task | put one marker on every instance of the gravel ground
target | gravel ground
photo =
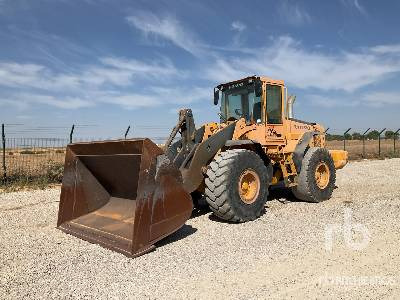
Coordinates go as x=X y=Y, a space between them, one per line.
x=284 y=254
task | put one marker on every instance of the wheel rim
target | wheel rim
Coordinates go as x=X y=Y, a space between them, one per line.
x=249 y=186
x=322 y=175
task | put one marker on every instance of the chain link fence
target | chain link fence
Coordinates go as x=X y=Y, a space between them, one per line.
x=29 y=158
x=42 y=159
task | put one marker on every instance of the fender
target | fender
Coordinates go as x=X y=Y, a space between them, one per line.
x=301 y=147
x=254 y=146
x=248 y=144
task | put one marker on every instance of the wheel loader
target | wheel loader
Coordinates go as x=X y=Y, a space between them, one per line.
x=128 y=194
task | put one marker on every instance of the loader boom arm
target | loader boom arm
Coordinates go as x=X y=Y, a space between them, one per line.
x=190 y=153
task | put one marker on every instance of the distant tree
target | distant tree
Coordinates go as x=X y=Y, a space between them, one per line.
x=334 y=137
x=348 y=136
x=328 y=137
x=357 y=136
x=373 y=135
x=390 y=134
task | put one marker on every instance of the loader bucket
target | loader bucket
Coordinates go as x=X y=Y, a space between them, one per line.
x=123 y=195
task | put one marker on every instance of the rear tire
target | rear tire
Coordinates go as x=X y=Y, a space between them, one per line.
x=317 y=177
x=237 y=185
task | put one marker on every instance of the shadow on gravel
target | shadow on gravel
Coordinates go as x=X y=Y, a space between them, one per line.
x=282 y=194
x=181 y=233
x=214 y=218
x=186 y=230
x=200 y=211
x=278 y=193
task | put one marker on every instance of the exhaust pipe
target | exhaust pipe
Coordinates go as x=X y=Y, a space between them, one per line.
x=289 y=104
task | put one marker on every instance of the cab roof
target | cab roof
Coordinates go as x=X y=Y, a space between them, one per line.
x=254 y=77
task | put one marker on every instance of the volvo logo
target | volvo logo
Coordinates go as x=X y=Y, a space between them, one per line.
x=236 y=85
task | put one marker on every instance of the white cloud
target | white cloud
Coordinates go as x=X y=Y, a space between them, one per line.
x=167 y=28
x=113 y=81
x=182 y=95
x=123 y=72
x=111 y=70
x=387 y=49
x=284 y=58
x=378 y=99
x=223 y=70
x=155 y=96
x=329 y=102
x=131 y=100
x=287 y=59
x=238 y=26
x=372 y=99
x=12 y=101
x=154 y=69
x=59 y=102
x=14 y=74
x=291 y=13
x=356 y=5
x=44 y=47
x=129 y=83
x=359 y=7
x=24 y=117
x=110 y=81
x=17 y=75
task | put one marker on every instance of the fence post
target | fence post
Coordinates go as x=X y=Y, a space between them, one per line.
x=3 y=139
x=344 y=138
x=363 y=139
x=394 y=141
x=379 y=142
x=127 y=130
x=71 y=133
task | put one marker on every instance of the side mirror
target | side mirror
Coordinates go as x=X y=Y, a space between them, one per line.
x=216 y=96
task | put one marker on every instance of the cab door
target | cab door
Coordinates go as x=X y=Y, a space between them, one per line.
x=275 y=133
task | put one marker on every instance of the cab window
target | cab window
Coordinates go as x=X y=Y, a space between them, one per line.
x=274 y=104
x=242 y=102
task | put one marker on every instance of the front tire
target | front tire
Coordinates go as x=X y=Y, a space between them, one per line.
x=237 y=185
x=317 y=177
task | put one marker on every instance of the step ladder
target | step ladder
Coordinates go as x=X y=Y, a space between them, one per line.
x=289 y=171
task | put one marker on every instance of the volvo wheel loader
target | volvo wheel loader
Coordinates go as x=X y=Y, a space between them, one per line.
x=128 y=194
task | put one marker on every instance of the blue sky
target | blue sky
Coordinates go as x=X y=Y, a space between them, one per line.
x=114 y=63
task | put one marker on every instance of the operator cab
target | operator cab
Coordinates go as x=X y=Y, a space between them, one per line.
x=246 y=99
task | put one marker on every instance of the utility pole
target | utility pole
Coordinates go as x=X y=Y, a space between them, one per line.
x=344 y=138
x=71 y=133
x=394 y=141
x=379 y=141
x=3 y=139
x=127 y=131
x=365 y=132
